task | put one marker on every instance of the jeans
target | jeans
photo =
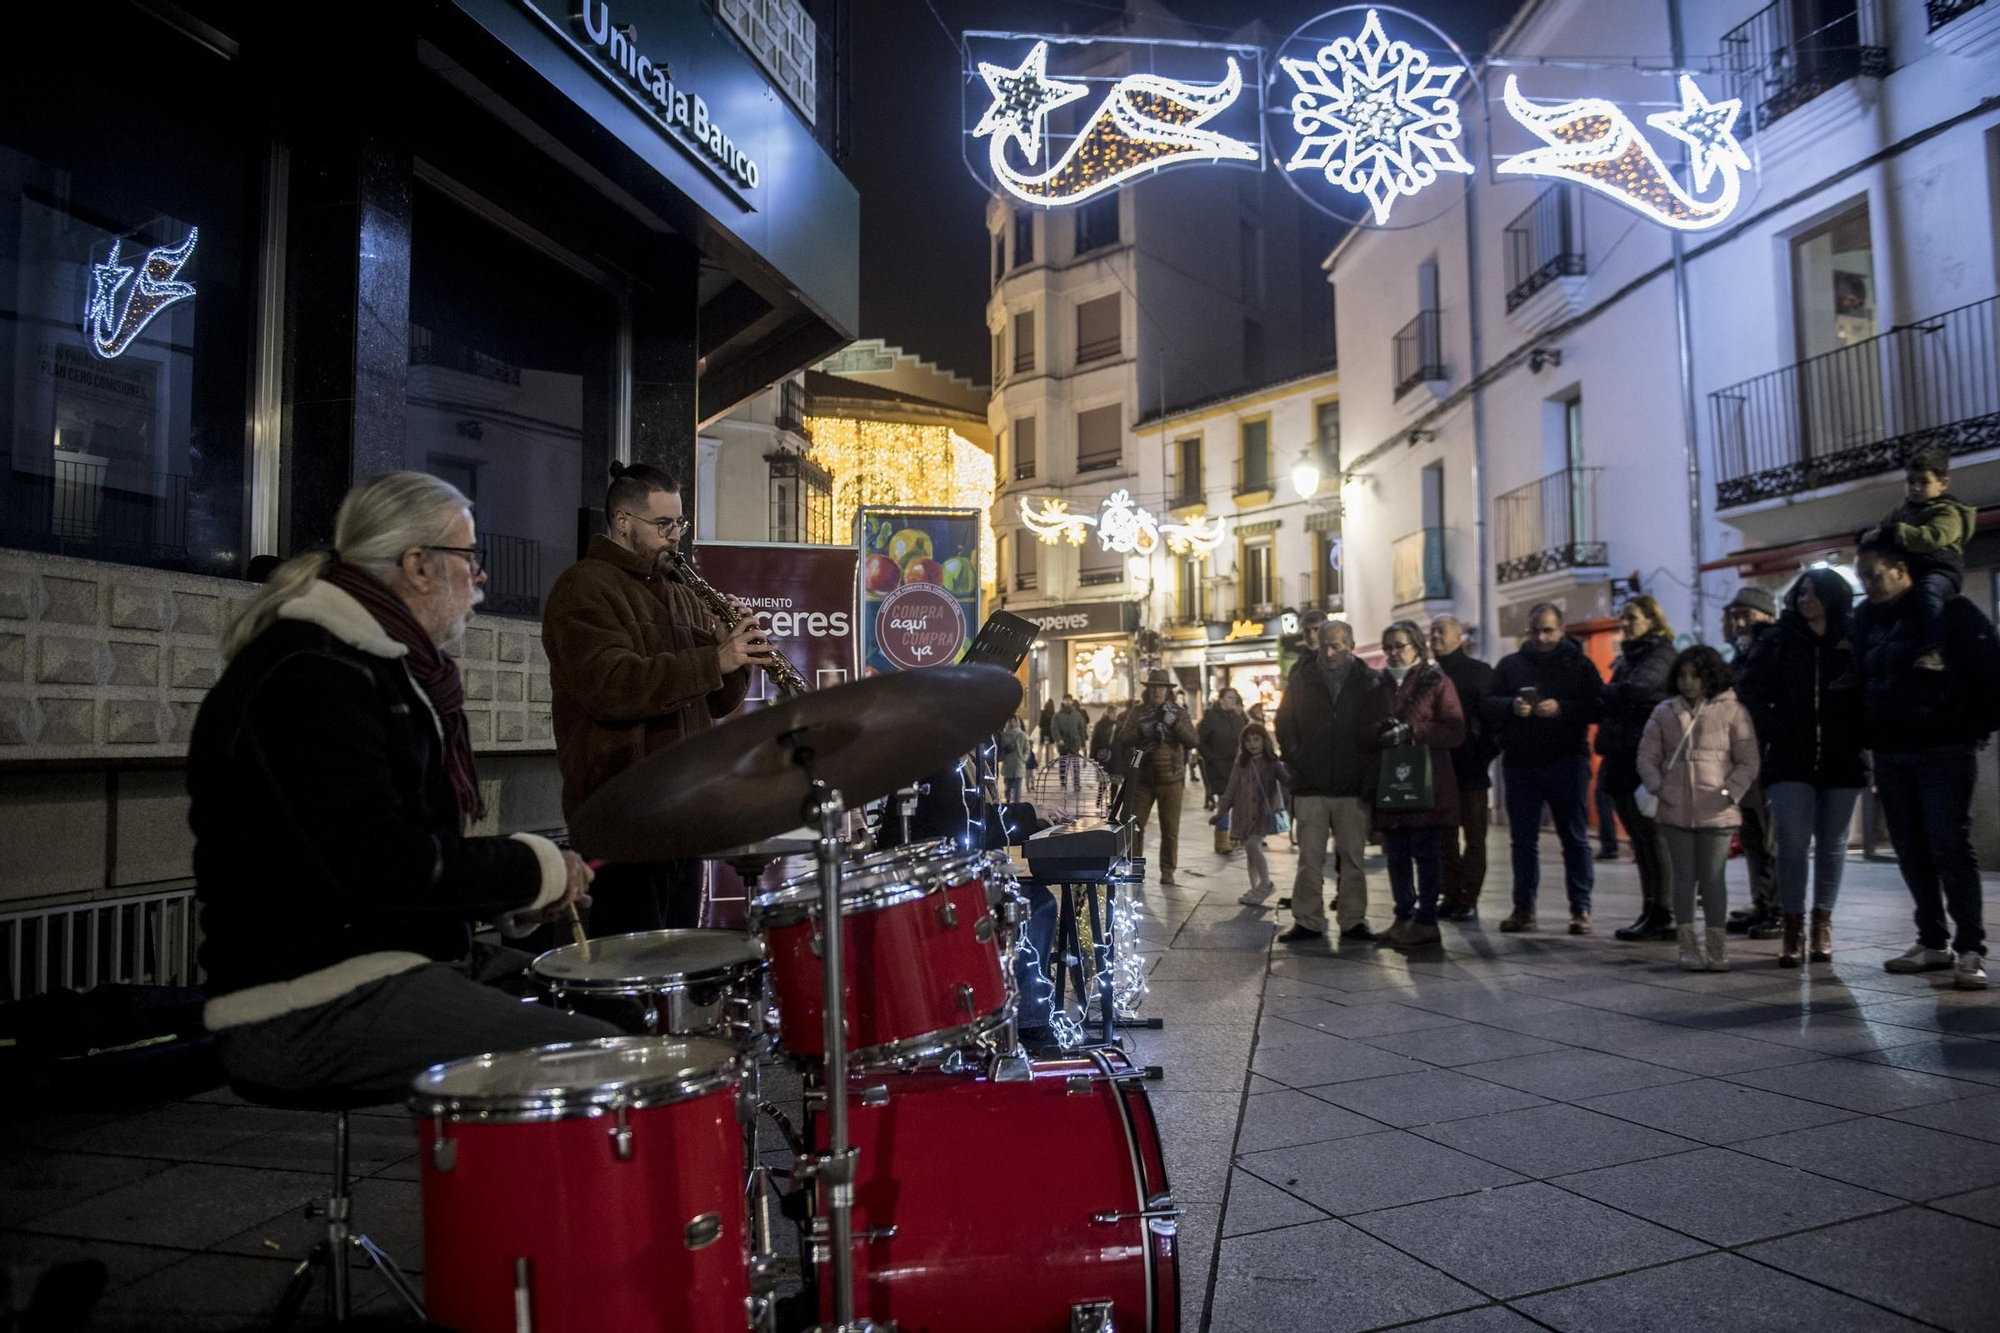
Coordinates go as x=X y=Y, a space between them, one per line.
x=1609 y=812
x=1926 y=796
x=1014 y=791
x=1564 y=786
x=1699 y=855
x=1415 y=849
x=1345 y=819
x=1465 y=870
x=1811 y=820
x=1646 y=847
x=1760 y=847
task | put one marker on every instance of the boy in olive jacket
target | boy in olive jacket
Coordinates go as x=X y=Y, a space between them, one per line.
x=1932 y=529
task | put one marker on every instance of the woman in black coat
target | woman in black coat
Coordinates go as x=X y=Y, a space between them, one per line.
x=1814 y=770
x=1641 y=679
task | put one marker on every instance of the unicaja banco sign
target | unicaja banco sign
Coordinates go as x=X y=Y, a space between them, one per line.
x=616 y=50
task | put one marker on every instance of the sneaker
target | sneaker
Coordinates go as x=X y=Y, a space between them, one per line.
x=1579 y=923
x=1167 y=878
x=1519 y=921
x=1358 y=931
x=1919 y=959
x=1420 y=937
x=1459 y=914
x=1300 y=935
x=1284 y=903
x=1970 y=974
x=1255 y=897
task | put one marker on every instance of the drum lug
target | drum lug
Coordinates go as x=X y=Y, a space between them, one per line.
x=1010 y=1067
x=947 y=913
x=1160 y=1209
x=876 y=1094
x=444 y=1151
x=704 y=1231
x=1090 y=1317
x=621 y=1136
x=983 y=930
x=818 y=949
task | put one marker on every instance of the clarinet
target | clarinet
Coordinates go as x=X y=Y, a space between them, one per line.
x=782 y=673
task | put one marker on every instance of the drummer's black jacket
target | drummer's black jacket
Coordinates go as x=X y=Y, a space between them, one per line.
x=327 y=838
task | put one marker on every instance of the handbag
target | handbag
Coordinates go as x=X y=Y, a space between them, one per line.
x=1277 y=819
x=1648 y=802
x=1404 y=780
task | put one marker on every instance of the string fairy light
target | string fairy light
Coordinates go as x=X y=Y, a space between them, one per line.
x=902 y=465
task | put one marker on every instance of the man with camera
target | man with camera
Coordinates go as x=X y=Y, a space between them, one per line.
x=1540 y=706
x=1160 y=729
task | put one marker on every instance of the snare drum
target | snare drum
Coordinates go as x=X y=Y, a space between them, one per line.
x=968 y=1186
x=688 y=983
x=923 y=972
x=592 y=1186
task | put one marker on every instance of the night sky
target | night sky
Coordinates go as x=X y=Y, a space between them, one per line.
x=923 y=242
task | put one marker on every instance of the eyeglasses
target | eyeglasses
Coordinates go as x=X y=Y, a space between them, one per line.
x=475 y=556
x=663 y=526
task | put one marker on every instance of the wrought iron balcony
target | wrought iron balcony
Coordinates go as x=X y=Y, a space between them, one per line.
x=1544 y=243
x=1417 y=571
x=91 y=508
x=1788 y=53
x=513 y=575
x=1941 y=12
x=1418 y=352
x=1549 y=525
x=1859 y=410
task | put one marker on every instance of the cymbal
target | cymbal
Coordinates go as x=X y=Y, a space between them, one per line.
x=737 y=782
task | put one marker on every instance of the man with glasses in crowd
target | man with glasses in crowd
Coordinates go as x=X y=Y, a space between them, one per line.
x=637 y=662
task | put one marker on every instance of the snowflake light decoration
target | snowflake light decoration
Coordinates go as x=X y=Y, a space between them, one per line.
x=1121 y=525
x=1375 y=116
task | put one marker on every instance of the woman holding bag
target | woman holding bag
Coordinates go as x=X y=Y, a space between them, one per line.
x=1254 y=805
x=1416 y=800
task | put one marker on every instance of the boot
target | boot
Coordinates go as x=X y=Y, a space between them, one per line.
x=1794 y=947
x=1718 y=949
x=1663 y=922
x=1821 y=949
x=1691 y=958
x=1644 y=927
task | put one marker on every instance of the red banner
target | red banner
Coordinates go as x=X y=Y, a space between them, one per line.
x=803 y=596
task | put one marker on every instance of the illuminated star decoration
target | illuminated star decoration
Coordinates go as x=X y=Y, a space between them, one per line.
x=110 y=328
x=1121 y=526
x=1144 y=123
x=1591 y=141
x=1022 y=100
x=1375 y=116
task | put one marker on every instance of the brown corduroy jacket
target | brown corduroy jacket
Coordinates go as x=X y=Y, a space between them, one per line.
x=634 y=664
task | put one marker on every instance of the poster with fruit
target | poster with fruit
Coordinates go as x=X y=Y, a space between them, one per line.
x=919 y=586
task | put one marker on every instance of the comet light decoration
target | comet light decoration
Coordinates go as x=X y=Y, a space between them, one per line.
x=1144 y=123
x=112 y=326
x=1121 y=526
x=1594 y=143
x=1375 y=117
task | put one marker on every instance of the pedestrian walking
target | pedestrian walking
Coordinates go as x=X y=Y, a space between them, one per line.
x=1641 y=680
x=1464 y=847
x=1015 y=749
x=1924 y=726
x=1697 y=755
x=1072 y=728
x=1541 y=704
x=1160 y=731
x=1221 y=731
x=1750 y=622
x=1047 y=729
x=1252 y=805
x=1327 y=725
x=1813 y=767
x=1424 y=716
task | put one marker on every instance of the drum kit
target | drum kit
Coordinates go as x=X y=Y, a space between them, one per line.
x=943 y=1180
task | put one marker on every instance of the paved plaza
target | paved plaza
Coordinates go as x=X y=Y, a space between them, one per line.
x=1514 y=1132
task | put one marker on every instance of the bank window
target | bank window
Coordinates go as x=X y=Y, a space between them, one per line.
x=1254 y=457
x=1098 y=335
x=514 y=381
x=1024 y=448
x=126 y=261
x=1100 y=436
x=1096 y=566
x=1024 y=239
x=801 y=499
x=1027 y=560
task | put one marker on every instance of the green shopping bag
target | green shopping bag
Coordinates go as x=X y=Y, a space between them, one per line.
x=1404 y=780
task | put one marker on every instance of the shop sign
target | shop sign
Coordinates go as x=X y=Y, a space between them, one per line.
x=616 y=48
x=919 y=625
x=803 y=598
x=1085 y=619
x=1244 y=629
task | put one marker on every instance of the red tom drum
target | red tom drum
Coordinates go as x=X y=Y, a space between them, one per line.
x=589 y=1186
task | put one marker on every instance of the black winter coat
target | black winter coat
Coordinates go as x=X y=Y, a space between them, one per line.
x=1329 y=744
x=1641 y=680
x=1814 y=733
x=325 y=826
x=1472 y=762
x=1220 y=731
x=1564 y=674
x=1908 y=709
x=1755 y=668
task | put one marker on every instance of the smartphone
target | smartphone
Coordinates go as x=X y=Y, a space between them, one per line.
x=1529 y=695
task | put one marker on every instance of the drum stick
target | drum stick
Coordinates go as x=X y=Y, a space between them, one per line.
x=576 y=931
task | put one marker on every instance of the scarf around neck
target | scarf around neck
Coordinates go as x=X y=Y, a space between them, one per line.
x=434 y=671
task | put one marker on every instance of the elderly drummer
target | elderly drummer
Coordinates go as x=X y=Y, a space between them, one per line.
x=332 y=781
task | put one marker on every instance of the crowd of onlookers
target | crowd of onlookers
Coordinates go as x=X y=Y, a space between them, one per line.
x=1768 y=749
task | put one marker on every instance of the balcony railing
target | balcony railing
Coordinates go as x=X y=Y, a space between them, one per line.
x=1860 y=410
x=513 y=575
x=1024 y=470
x=1548 y=525
x=1098 y=350
x=1419 y=355
x=1789 y=52
x=1255 y=483
x=1186 y=496
x=1942 y=12
x=1187 y=614
x=90 y=507
x=428 y=349
x=1099 y=462
x=1417 y=571
x=1024 y=362
x=1544 y=243
x=1027 y=582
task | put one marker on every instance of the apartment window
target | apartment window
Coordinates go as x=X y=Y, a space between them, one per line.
x=1250 y=261
x=1544 y=242
x=1024 y=342
x=1253 y=352
x=1024 y=239
x=999 y=359
x=1791 y=51
x=1254 y=457
x=1100 y=435
x=1191 y=602
x=1027 y=560
x=999 y=257
x=1098 y=334
x=1024 y=448
x=1259 y=581
x=1188 y=486
x=1326 y=434
x=1097 y=223
x=1328 y=577
x=801 y=499
x=1833 y=285
x=1433 y=495
x=1096 y=566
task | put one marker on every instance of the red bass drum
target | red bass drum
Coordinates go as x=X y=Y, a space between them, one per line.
x=1031 y=1206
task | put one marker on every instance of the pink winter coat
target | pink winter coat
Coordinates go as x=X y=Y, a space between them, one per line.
x=1712 y=773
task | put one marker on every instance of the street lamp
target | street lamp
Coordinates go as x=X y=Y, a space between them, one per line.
x=1305 y=474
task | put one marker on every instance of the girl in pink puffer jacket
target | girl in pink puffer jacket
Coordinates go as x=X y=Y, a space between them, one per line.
x=1698 y=755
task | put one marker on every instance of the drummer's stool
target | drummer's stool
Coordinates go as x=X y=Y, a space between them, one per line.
x=329 y=1256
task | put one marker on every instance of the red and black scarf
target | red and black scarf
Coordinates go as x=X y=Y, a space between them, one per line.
x=431 y=668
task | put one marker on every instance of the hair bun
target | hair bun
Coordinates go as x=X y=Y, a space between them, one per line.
x=617 y=470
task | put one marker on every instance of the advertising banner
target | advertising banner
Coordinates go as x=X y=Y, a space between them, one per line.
x=803 y=596
x=919 y=586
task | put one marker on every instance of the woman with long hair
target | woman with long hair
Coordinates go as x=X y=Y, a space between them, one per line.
x=1423 y=710
x=1641 y=680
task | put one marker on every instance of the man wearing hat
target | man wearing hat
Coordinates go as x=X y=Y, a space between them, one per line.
x=1160 y=729
x=1750 y=623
